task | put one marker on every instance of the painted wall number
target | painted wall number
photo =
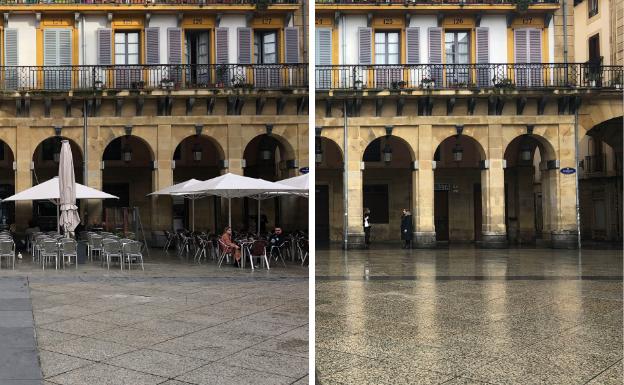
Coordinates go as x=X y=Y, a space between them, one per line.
x=198 y=20
x=127 y=22
x=320 y=21
x=458 y=20
x=57 y=22
x=527 y=20
x=388 y=21
x=266 y=20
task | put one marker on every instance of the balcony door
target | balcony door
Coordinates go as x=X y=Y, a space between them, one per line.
x=57 y=54
x=266 y=52
x=457 y=52
x=387 y=58
x=127 y=59
x=197 y=48
x=528 y=57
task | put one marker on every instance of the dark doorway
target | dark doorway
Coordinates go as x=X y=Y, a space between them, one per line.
x=478 y=219
x=198 y=56
x=322 y=213
x=594 y=48
x=121 y=190
x=441 y=215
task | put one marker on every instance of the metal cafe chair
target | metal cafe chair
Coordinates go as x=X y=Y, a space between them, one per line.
x=69 y=250
x=223 y=253
x=131 y=251
x=111 y=249
x=49 y=251
x=258 y=250
x=95 y=246
x=276 y=252
x=170 y=240
x=7 y=250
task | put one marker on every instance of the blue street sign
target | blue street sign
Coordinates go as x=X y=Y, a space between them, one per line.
x=304 y=170
x=568 y=170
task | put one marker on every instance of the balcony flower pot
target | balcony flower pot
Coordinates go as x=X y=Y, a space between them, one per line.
x=167 y=84
x=358 y=85
x=139 y=85
x=427 y=83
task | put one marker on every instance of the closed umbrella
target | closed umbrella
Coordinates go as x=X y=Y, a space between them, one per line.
x=69 y=218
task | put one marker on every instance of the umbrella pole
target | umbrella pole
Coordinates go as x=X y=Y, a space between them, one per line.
x=230 y=212
x=193 y=209
x=259 y=217
x=58 y=219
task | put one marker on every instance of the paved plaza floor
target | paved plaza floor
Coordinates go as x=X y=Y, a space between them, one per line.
x=469 y=316
x=175 y=323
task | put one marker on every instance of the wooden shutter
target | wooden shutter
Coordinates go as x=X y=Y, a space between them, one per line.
x=174 y=46
x=483 y=56
x=435 y=45
x=152 y=45
x=520 y=46
x=535 y=46
x=50 y=47
x=412 y=45
x=10 y=57
x=244 y=45
x=104 y=46
x=221 y=45
x=324 y=46
x=291 y=46
x=365 y=37
x=65 y=47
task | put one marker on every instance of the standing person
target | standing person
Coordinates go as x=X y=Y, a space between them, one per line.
x=367 y=227
x=406 y=228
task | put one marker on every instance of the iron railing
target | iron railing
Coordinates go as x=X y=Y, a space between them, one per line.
x=149 y=2
x=150 y=77
x=435 y=2
x=468 y=76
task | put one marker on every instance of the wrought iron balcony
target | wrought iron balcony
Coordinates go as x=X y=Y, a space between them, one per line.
x=438 y=2
x=152 y=77
x=468 y=76
x=148 y=2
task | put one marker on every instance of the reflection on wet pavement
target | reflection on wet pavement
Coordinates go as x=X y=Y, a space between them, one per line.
x=469 y=316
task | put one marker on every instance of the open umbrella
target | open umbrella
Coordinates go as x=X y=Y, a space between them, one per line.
x=234 y=186
x=69 y=218
x=50 y=191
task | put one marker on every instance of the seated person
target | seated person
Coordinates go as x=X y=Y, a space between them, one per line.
x=276 y=239
x=230 y=246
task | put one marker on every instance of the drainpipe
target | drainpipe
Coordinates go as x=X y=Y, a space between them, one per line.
x=565 y=33
x=345 y=174
x=85 y=145
x=576 y=160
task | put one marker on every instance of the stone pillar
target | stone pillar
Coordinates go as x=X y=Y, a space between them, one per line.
x=162 y=210
x=564 y=234
x=355 y=221
x=94 y=175
x=422 y=192
x=493 y=201
x=23 y=175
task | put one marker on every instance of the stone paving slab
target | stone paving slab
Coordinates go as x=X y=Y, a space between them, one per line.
x=19 y=361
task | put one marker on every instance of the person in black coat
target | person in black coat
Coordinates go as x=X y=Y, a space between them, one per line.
x=406 y=228
x=367 y=227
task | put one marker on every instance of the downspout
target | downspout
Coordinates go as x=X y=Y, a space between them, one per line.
x=576 y=180
x=345 y=175
x=85 y=144
x=565 y=34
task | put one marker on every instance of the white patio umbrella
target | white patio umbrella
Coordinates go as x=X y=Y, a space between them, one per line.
x=301 y=182
x=50 y=191
x=69 y=217
x=178 y=190
x=235 y=186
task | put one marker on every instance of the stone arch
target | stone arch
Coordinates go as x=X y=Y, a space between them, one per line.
x=140 y=139
x=49 y=172
x=332 y=145
x=214 y=132
x=286 y=148
x=335 y=135
x=75 y=145
x=547 y=150
x=594 y=112
x=547 y=137
x=369 y=134
x=440 y=136
x=212 y=140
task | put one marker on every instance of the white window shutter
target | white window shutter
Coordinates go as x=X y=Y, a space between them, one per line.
x=50 y=47
x=323 y=46
x=104 y=46
x=244 y=45
x=174 y=45
x=520 y=46
x=435 y=45
x=152 y=45
x=483 y=45
x=10 y=47
x=65 y=47
x=412 y=45
x=221 y=45
x=365 y=37
x=291 y=46
x=535 y=46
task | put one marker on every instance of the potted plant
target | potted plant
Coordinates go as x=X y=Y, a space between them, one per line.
x=427 y=83
x=503 y=82
x=138 y=85
x=357 y=84
x=221 y=74
x=167 y=84
x=617 y=81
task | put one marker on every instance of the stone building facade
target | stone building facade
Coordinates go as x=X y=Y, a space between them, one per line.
x=150 y=94
x=461 y=112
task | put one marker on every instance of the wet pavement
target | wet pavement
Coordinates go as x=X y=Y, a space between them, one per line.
x=469 y=316
x=175 y=323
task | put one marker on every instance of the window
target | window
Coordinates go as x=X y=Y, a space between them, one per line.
x=265 y=47
x=376 y=199
x=457 y=51
x=594 y=49
x=387 y=47
x=127 y=48
x=592 y=7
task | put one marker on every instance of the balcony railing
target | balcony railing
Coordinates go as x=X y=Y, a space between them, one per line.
x=468 y=76
x=147 y=2
x=150 y=77
x=435 y=2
